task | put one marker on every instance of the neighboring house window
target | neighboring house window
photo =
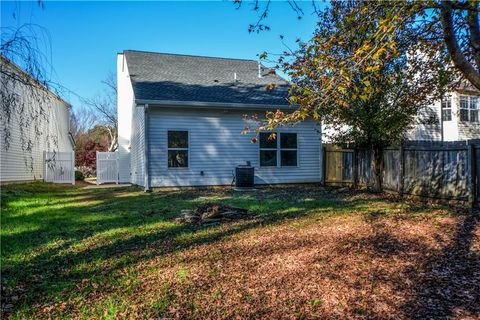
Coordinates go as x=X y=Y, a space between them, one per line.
x=278 y=149
x=447 y=108
x=177 y=149
x=469 y=108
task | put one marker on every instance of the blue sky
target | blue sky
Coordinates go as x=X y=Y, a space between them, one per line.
x=85 y=36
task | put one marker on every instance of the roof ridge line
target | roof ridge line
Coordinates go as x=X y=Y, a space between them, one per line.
x=189 y=55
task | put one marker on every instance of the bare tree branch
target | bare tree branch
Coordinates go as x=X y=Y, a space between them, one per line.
x=105 y=109
x=454 y=50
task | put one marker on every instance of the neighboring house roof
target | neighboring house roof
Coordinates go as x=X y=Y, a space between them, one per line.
x=467 y=87
x=185 y=78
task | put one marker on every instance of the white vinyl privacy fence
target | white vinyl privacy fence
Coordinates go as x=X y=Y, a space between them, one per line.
x=59 y=167
x=107 y=167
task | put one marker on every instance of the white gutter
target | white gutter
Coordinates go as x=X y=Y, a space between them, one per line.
x=221 y=105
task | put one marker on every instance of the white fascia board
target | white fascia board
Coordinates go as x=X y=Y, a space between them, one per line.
x=210 y=105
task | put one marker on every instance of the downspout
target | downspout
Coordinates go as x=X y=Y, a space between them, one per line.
x=145 y=139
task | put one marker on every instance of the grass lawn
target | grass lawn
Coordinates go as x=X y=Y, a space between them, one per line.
x=310 y=253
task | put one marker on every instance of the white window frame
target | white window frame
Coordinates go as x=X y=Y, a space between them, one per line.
x=470 y=108
x=267 y=149
x=278 y=150
x=447 y=100
x=178 y=149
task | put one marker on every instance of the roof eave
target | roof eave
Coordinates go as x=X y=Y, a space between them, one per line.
x=212 y=105
x=72 y=140
x=35 y=81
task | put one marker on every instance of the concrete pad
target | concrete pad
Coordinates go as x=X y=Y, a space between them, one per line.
x=105 y=186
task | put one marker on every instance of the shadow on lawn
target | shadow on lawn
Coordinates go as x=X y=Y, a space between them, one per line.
x=56 y=269
x=452 y=280
x=451 y=285
x=438 y=284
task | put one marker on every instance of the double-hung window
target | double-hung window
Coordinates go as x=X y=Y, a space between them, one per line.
x=447 y=108
x=469 y=106
x=268 y=149
x=278 y=149
x=288 y=149
x=177 y=149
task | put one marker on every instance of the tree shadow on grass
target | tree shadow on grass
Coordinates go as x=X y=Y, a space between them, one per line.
x=450 y=287
x=437 y=283
x=58 y=267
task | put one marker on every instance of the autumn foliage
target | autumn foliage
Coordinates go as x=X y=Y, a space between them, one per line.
x=87 y=157
x=87 y=145
x=359 y=75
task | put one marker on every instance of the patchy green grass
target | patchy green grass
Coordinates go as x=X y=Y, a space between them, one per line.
x=310 y=252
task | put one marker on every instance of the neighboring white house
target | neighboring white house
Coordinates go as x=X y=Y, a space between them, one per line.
x=34 y=120
x=455 y=117
x=180 y=122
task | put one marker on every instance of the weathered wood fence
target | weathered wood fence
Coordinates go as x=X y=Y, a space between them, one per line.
x=446 y=170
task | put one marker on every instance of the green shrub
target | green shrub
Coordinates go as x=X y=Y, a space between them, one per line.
x=79 y=175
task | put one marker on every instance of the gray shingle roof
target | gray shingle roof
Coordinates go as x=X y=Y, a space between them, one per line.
x=173 y=77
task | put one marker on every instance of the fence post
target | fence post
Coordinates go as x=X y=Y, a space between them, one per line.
x=472 y=172
x=118 y=168
x=96 y=170
x=402 y=168
x=355 y=168
x=73 y=168
x=324 y=165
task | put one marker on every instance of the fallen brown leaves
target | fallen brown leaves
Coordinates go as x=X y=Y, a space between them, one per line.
x=409 y=263
x=348 y=267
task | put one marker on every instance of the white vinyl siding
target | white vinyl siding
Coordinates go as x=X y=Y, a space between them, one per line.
x=137 y=150
x=216 y=147
x=49 y=131
x=125 y=109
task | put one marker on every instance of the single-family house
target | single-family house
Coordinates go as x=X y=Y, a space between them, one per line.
x=35 y=122
x=181 y=117
x=455 y=117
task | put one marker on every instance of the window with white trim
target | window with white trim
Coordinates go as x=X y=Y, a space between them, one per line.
x=469 y=106
x=278 y=149
x=177 y=146
x=268 y=149
x=447 y=108
x=288 y=149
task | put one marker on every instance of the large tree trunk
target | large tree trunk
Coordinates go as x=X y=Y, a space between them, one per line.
x=377 y=168
x=458 y=58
